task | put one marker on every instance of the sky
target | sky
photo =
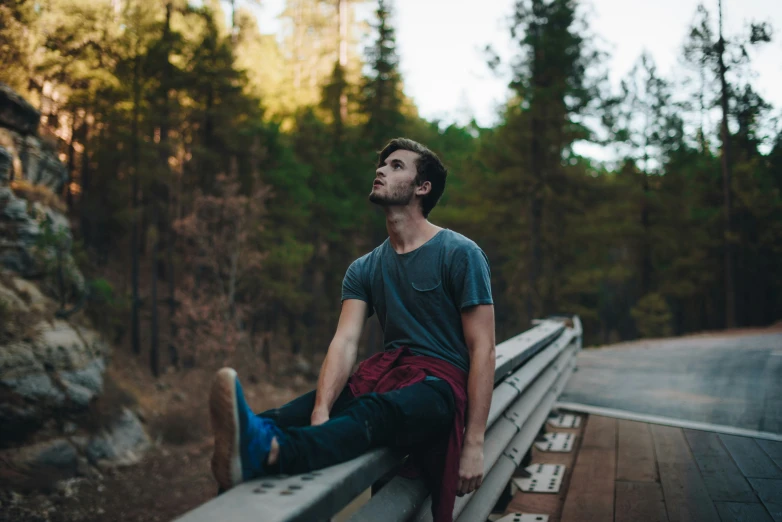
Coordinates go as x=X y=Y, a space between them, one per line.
x=440 y=45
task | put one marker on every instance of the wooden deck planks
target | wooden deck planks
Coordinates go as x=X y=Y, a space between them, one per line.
x=664 y=474
x=635 y=454
x=600 y=433
x=750 y=458
x=770 y=493
x=722 y=477
x=591 y=493
x=686 y=496
x=639 y=501
x=742 y=512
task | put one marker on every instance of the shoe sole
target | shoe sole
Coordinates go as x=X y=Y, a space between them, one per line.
x=224 y=414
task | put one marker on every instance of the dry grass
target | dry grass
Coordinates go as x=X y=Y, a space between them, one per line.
x=17 y=324
x=179 y=427
x=108 y=407
x=38 y=193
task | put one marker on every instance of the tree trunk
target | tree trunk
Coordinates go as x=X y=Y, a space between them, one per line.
x=173 y=354
x=730 y=296
x=537 y=158
x=646 y=247
x=294 y=339
x=84 y=210
x=342 y=15
x=134 y=235
x=71 y=164
x=154 y=360
x=158 y=194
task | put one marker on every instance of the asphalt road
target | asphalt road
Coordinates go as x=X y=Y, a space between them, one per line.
x=731 y=380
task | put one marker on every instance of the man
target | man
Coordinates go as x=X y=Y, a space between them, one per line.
x=429 y=391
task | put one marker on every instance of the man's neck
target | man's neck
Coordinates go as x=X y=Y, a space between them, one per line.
x=408 y=229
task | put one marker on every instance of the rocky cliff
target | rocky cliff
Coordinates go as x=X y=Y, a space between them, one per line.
x=52 y=364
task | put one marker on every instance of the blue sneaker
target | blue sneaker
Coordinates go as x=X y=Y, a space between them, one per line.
x=241 y=440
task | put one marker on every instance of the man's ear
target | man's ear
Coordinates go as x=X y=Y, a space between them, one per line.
x=423 y=189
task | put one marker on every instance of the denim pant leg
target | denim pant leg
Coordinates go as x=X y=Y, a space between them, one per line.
x=400 y=418
x=297 y=413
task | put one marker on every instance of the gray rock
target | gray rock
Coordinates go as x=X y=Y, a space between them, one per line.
x=21 y=222
x=6 y=165
x=123 y=443
x=58 y=454
x=90 y=377
x=16 y=113
x=42 y=166
x=56 y=370
x=60 y=371
x=37 y=387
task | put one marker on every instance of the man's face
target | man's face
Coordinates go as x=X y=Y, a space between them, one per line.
x=394 y=183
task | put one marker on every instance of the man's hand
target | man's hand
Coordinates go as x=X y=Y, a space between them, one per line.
x=319 y=416
x=470 y=468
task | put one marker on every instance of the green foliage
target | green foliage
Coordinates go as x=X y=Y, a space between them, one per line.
x=652 y=316
x=244 y=161
x=107 y=309
x=61 y=276
x=17 y=44
x=382 y=90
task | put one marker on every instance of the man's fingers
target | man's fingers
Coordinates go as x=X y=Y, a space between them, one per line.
x=468 y=485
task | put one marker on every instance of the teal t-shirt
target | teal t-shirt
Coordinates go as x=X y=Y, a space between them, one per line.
x=419 y=296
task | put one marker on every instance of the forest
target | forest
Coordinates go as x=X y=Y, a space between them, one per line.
x=219 y=175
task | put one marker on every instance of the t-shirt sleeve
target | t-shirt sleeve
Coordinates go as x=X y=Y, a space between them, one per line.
x=355 y=285
x=471 y=278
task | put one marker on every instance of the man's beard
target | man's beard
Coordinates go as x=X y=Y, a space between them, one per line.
x=402 y=196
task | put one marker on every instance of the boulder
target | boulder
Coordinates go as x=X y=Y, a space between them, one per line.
x=6 y=165
x=60 y=371
x=41 y=165
x=122 y=444
x=51 y=370
x=16 y=113
x=54 y=368
x=22 y=224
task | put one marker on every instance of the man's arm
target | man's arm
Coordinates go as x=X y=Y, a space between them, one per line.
x=478 y=325
x=340 y=358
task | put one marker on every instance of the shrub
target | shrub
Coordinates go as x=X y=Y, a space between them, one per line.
x=107 y=309
x=105 y=409
x=180 y=427
x=652 y=316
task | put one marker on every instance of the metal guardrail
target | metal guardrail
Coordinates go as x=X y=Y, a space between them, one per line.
x=531 y=371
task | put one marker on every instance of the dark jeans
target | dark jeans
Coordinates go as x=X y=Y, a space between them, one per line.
x=406 y=417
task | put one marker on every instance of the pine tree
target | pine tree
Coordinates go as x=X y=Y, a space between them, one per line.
x=723 y=55
x=382 y=90
x=550 y=90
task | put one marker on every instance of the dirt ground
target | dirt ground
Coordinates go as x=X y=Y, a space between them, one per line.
x=172 y=478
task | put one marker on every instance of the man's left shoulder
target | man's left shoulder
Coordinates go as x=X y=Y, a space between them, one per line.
x=458 y=245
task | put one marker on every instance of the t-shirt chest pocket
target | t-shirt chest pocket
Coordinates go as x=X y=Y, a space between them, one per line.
x=427 y=298
x=426 y=282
